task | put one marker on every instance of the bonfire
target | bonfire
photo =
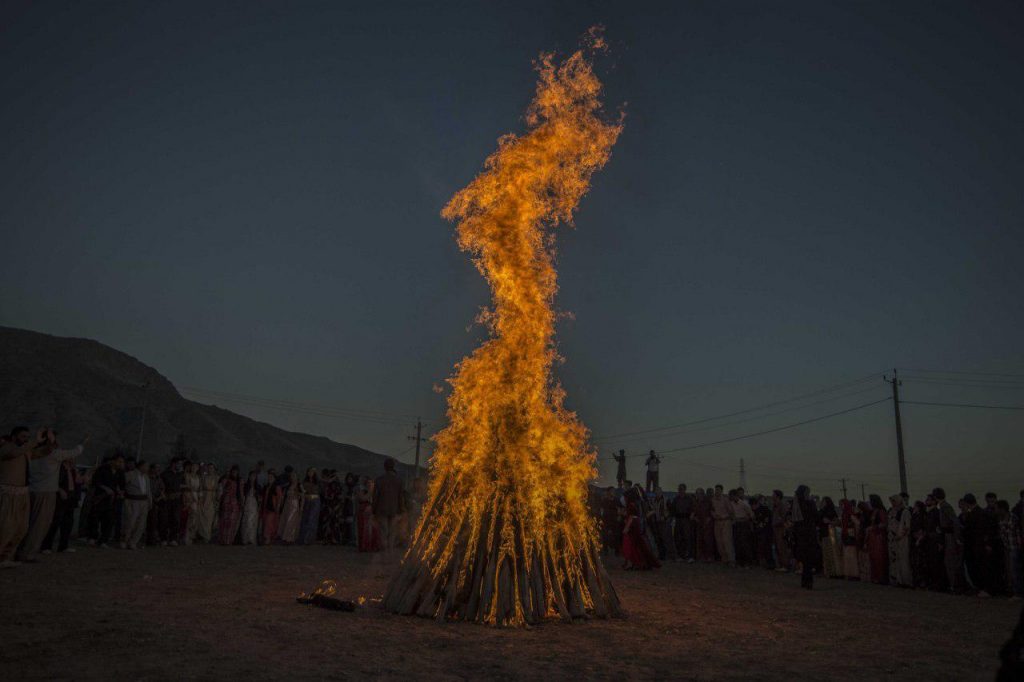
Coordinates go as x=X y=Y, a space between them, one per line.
x=506 y=537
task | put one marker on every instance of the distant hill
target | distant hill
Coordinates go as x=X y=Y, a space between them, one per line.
x=81 y=386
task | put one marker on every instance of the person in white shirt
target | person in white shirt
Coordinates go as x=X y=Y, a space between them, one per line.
x=652 y=471
x=43 y=484
x=137 y=501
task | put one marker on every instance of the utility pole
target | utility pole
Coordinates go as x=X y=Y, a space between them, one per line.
x=418 y=439
x=842 y=486
x=895 y=381
x=743 y=475
x=863 y=495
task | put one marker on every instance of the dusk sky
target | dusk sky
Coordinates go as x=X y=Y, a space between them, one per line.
x=246 y=197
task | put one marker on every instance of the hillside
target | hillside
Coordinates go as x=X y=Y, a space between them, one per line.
x=80 y=386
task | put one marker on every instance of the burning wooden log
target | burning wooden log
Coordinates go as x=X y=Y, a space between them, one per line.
x=506 y=537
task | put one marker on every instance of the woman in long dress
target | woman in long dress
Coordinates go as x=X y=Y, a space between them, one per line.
x=850 y=540
x=831 y=559
x=207 y=503
x=310 y=508
x=190 y=503
x=250 y=510
x=369 y=537
x=899 y=543
x=805 y=534
x=635 y=549
x=272 y=499
x=878 y=541
x=332 y=515
x=230 y=507
x=291 y=512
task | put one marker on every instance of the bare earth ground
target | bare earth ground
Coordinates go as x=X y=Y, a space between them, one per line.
x=230 y=612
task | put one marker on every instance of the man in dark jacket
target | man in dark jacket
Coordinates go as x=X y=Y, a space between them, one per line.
x=388 y=502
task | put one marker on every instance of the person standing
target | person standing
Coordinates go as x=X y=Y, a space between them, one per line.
x=636 y=551
x=952 y=542
x=653 y=463
x=16 y=451
x=762 y=532
x=208 y=502
x=190 y=498
x=251 y=510
x=169 y=512
x=64 y=514
x=705 y=525
x=156 y=490
x=368 y=535
x=387 y=503
x=877 y=542
x=683 y=536
x=1009 y=533
x=310 y=508
x=899 y=543
x=332 y=510
x=780 y=526
x=742 y=528
x=831 y=553
x=107 y=488
x=721 y=511
x=850 y=539
x=137 y=502
x=43 y=491
x=291 y=511
x=230 y=506
x=620 y=472
x=273 y=497
x=805 y=533
x=981 y=546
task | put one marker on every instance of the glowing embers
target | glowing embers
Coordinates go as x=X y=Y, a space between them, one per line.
x=506 y=537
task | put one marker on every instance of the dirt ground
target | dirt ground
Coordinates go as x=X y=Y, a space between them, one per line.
x=230 y=612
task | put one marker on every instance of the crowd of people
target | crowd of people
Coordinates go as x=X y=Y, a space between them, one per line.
x=126 y=502
x=130 y=503
x=972 y=549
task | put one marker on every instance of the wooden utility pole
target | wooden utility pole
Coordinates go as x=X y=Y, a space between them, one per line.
x=895 y=381
x=842 y=486
x=743 y=474
x=863 y=494
x=419 y=439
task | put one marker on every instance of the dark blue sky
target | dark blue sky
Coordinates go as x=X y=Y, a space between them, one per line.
x=246 y=197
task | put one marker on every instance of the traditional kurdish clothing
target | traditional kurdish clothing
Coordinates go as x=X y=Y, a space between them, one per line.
x=332 y=513
x=635 y=548
x=207 y=506
x=369 y=537
x=899 y=546
x=291 y=514
x=877 y=546
x=190 y=507
x=230 y=511
x=850 y=540
x=272 y=498
x=310 y=512
x=137 y=502
x=831 y=553
x=250 y=515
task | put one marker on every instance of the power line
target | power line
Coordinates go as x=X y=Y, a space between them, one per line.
x=978 y=374
x=983 y=407
x=827 y=389
x=966 y=383
x=750 y=419
x=767 y=431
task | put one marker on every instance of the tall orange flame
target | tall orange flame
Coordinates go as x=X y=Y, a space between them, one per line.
x=506 y=536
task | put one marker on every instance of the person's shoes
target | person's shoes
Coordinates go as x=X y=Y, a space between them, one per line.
x=174 y=543
x=690 y=560
x=983 y=594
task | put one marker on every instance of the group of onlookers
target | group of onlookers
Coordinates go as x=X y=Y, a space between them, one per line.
x=973 y=548
x=130 y=503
